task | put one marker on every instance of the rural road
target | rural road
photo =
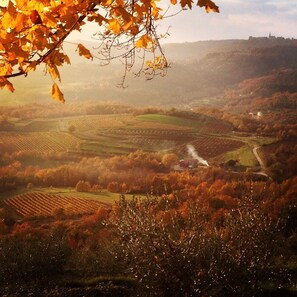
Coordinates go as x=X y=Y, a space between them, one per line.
x=262 y=172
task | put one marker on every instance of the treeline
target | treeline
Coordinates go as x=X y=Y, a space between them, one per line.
x=274 y=92
x=281 y=159
x=51 y=110
x=280 y=124
x=135 y=169
x=150 y=173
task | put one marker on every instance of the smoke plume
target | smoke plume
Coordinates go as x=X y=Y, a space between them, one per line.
x=194 y=154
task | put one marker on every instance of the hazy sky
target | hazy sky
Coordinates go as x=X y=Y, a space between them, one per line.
x=237 y=19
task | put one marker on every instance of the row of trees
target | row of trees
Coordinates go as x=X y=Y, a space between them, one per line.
x=51 y=110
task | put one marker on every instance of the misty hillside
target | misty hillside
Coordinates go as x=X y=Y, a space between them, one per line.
x=206 y=69
x=197 y=50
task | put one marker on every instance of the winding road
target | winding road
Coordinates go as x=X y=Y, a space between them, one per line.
x=262 y=172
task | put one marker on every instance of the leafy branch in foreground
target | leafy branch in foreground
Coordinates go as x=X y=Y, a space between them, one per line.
x=32 y=33
x=172 y=254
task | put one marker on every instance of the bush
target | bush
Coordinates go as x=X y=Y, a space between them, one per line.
x=31 y=258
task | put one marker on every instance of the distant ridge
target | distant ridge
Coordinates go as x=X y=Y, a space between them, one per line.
x=197 y=50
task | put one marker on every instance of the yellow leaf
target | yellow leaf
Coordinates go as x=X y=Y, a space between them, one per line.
x=54 y=72
x=115 y=27
x=57 y=94
x=143 y=42
x=5 y=69
x=8 y=19
x=209 y=5
x=21 y=3
x=82 y=51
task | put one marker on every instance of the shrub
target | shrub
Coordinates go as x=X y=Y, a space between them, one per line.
x=31 y=258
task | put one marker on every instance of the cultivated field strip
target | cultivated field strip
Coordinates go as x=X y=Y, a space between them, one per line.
x=100 y=122
x=39 y=142
x=217 y=127
x=209 y=147
x=148 y=132
x=41 y=204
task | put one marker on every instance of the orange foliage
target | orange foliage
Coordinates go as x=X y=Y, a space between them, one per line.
x=33 y=32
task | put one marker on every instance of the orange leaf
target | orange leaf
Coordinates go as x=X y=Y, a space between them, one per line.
x=32 y=66
x=57 y=94
x=185 y=3
x=84 y=52
x=209 y=5
x=5 y=83
x=49 y=20
x=97 y=18
x=127 y=17
x=134 y=30
x=173 y=2
x=35 y=17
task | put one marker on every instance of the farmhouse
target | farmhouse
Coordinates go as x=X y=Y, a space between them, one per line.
x=185 y=164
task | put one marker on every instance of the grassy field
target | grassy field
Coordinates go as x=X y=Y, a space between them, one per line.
x=172 y=120
x=40 y=126
x=244 y=155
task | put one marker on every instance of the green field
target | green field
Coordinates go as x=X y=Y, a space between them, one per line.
x=244 y=155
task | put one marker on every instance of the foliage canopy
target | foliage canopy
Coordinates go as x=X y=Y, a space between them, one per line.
x=32 y=33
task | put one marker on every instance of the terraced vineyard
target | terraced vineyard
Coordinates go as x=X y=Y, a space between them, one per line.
x=209 y=147
x=116 y=134
x=40 y=204
x=149 y=138
x=36 y=141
